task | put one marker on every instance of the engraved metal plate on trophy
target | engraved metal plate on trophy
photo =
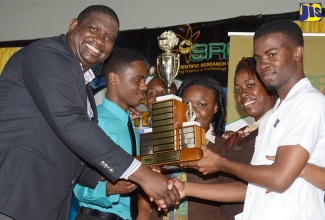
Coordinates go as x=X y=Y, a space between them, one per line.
x=174 y=137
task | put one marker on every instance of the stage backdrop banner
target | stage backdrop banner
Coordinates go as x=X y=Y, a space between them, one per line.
x=242 y=46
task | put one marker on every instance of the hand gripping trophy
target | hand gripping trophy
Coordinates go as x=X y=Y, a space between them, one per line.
x=167 y=62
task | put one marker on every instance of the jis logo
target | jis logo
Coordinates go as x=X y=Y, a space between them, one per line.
x=310 y=11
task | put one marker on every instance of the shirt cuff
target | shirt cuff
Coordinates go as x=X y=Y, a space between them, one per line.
x=132 y=168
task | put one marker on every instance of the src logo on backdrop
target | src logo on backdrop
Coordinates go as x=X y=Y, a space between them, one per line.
x=187 y=43
x=197 y=52
x=310 y=11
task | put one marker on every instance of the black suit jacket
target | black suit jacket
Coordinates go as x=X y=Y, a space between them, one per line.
x=45 y=132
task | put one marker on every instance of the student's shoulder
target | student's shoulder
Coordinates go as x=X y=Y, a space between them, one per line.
x=313 y=98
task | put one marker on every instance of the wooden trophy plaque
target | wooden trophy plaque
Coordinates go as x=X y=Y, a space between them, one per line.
x=172 y=140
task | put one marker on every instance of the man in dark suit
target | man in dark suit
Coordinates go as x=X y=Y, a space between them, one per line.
x=45 y=126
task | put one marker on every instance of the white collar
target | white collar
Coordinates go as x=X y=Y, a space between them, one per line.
x=209 y=135
x=258 y=122
x=88 y=75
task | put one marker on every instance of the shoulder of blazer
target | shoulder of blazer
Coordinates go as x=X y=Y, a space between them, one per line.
x=57 y=44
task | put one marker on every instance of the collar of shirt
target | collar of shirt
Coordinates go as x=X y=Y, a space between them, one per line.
x=301 y=85
x=209 y=135
x=116 y=110
x=258 y=122
x=88 y=75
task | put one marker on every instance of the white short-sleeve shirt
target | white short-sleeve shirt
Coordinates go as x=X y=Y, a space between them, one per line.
x=298 y=119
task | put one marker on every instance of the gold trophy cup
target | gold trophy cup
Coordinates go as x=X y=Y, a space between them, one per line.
x=167 y=62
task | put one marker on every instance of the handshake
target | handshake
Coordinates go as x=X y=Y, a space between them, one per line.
x=167 y=192
x=178 y=187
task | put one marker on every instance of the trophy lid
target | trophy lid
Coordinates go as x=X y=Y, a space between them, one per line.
x=190 y=123
x=168 y=97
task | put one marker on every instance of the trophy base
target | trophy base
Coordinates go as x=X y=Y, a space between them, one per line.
x=171 y=159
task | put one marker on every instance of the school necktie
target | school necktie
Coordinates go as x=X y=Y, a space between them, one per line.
x=134 y=194
x=132 y=137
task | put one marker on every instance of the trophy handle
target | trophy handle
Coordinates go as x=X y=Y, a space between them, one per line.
x=176 y=64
